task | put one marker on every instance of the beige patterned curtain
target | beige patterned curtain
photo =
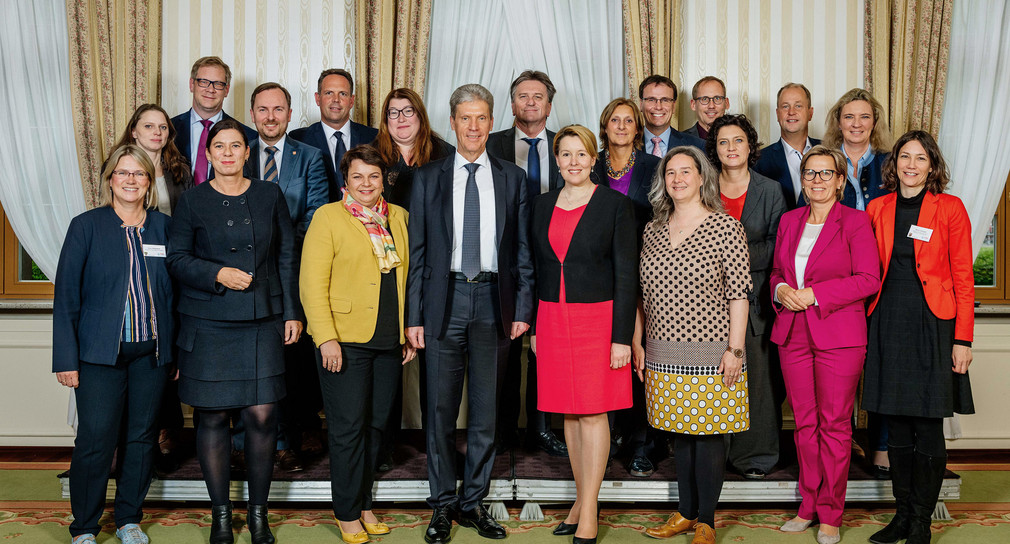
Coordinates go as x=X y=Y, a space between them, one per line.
x=115 y=62
x=392 y=52
x=908 y=43
x=652 y=37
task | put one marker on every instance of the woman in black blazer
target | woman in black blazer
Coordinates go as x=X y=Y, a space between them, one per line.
x=113 y=258
x=233 y=255
x=585 y=250
x=758 y=203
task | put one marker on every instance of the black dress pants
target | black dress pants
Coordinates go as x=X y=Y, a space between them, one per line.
x=357 y=401
x=111 y=400
x=475 y=346
x=508 y=409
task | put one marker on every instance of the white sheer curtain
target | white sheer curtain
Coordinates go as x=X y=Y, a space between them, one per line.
x=41 y=189
x=976 y=110
x=578 y=44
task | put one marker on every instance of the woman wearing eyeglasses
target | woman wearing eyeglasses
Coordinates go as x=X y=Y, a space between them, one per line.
x=406 y=142
x=825 y=266
x=112 y=339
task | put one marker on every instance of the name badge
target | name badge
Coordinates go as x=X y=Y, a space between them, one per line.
x=154 y=250
x=920 y=233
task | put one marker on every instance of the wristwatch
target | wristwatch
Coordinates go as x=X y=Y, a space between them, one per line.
x=737 y=352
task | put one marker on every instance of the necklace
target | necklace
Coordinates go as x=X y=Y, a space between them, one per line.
x=143 y=217
x=579 y=199
x=627 y=167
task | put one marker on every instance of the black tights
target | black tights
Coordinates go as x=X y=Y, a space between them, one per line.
x=701 y=465
x=925 y=434
x=213 y=448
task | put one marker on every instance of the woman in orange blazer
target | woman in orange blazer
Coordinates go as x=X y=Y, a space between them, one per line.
x=920 y=327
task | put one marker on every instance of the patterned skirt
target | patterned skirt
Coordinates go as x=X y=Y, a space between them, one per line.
x=684 y=394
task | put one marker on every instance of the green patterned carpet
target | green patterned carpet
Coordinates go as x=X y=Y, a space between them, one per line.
x=32 y=512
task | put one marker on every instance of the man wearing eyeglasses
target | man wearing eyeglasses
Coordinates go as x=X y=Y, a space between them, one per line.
x=657 y=95
x=709 y=102
x=527 y=144
x=209 y=81
x=334 y=133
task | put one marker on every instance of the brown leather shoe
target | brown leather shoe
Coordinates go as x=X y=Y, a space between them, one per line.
x=677 y=524
x=703 y=534
x=288 y=461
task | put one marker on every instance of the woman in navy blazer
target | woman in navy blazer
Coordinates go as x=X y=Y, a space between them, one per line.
x=112 y=340
x=233 y=255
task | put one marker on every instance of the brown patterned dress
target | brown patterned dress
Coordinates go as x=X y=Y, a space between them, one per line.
x=686 y=292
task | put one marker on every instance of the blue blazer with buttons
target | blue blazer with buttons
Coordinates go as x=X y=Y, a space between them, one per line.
x=314 y=136
x=302 y=179
x=773 y=164
x=263 y=243
x=677 y=139
x=89 y=300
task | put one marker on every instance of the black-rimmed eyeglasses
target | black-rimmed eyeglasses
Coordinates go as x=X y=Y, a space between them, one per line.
x=218 y=85
x=393 y=113
x=717 y=100
x=826 y=175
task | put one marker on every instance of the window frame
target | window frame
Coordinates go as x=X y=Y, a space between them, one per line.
x=998 y=294
x=11 y=286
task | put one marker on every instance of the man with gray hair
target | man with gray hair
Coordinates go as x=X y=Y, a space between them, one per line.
x=527 y=144
x=469 y=294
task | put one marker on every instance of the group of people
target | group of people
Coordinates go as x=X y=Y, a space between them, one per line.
x=227 y=267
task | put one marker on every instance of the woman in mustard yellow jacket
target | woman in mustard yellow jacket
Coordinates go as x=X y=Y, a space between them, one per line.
x=353 y=280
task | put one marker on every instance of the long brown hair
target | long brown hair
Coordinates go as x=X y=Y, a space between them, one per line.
x=171 y=159
x=424 y=142
x=608 y=111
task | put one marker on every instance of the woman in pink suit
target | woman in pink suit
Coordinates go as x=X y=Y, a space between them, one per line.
x=824 y=268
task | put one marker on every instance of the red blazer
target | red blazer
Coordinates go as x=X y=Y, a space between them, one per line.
x=843 y=270
x=943 y=264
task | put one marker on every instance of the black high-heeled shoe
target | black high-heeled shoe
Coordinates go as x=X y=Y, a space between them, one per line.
x=580 y=540
x=259 y=527
x=220 y=525
x=565 y=529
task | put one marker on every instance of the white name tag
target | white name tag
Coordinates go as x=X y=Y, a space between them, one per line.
x=920 y=233
x=154 y=250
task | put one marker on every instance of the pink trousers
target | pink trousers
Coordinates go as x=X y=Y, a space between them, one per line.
x=821 y=388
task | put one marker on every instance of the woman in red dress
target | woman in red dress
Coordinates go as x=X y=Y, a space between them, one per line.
x=585 y=251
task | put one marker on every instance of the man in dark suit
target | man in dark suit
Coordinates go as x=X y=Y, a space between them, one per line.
x=298 y=169
x=528 y=144
x=709 y=102
x=334 y=133
x=781 y=160
x=209 y=81
x=470 y=293
x=657 y=96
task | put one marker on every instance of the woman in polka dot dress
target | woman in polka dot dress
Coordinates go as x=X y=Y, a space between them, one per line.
x=695 y=275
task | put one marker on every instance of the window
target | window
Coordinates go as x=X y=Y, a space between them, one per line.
x=993 y=261
x=22 y=278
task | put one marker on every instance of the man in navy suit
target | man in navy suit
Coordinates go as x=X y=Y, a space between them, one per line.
x=469 y=294
x=781 y=160
x=709 y=102
x=334 y=133
x=527 y=144
x=298 y=169
x=209 y=81
x=657 y=96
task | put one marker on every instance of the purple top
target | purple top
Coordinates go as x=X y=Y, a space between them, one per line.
x=622 y=184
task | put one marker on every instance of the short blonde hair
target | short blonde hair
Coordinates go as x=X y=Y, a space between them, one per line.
x=582 y=133
x=138 y=154
x=836 y=155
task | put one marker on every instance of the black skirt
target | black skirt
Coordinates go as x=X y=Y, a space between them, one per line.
x=909 y=369
x=230 y=364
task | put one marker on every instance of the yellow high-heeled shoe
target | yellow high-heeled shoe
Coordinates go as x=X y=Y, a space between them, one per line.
x=375 y=528
x=352 y=538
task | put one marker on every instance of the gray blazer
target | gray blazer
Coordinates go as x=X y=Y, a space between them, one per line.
x=762 y=210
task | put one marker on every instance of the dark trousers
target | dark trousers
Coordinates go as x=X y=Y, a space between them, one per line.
x=758 y=447
x=474 y=346
x=357 y=400
x=632 y=424
x=114 y=400
x=511 y=393
x=924 y=434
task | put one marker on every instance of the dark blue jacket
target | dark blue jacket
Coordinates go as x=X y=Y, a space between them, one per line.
x=870 y=181
x=89 y=301
x=772 y=164
x=316 y=137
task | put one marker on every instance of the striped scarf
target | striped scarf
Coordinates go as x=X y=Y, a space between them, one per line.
x=375 y=221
